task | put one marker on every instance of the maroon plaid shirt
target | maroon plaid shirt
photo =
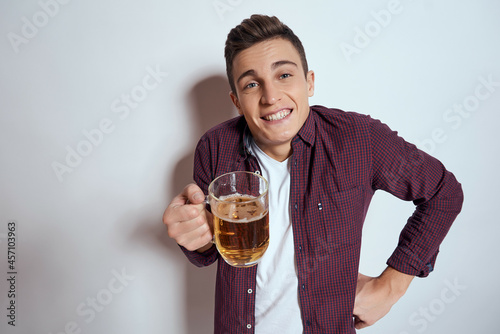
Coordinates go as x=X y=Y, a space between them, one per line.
x=339 y=160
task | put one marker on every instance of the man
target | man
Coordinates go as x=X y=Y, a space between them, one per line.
x=323 y=166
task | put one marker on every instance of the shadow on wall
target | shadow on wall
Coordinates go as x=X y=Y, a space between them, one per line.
x=210 y=105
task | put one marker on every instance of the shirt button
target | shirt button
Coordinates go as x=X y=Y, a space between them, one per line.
x=303 y=286
x=249 y=290
x=296 y=206
x=300 y=248
x=249 y=326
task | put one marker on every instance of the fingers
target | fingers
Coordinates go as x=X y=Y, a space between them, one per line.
x=177 y=212
x=360 y=324
x=186 y=219
x=362 y=318
x=192 y=194
x=192 y=234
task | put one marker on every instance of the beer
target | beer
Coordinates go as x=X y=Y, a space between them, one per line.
x=241 y=226
x=240 y=205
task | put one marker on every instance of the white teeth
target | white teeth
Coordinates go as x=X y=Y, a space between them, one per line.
x=277 y=116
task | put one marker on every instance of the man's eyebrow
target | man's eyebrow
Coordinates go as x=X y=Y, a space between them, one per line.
x=283 y=62
x=274 y=66
x=244 y=74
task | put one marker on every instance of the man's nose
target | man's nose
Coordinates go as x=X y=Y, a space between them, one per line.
x=270 y=94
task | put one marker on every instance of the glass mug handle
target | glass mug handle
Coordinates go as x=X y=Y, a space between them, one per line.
x=206 y=202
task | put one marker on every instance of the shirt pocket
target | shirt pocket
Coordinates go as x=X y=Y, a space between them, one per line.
x=341 y=216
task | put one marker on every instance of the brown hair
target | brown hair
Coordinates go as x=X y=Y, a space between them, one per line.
x=258 y=28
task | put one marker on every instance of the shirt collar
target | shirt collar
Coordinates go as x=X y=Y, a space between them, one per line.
x=308 y=131
x=246 y=139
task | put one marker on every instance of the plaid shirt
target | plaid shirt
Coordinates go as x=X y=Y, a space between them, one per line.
x=339 y=160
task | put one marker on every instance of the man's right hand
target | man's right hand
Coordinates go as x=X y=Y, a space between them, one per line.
x=187 y=220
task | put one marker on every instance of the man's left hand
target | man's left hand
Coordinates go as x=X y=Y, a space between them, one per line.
x=376 y=295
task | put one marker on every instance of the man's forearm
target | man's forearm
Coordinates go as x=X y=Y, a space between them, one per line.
x=396 y=281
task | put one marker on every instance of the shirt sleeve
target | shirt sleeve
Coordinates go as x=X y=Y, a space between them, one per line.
x=202 y=178
x=413 y=175
x=201 y=259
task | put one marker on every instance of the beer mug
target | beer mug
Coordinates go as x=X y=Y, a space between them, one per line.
x=240 y=207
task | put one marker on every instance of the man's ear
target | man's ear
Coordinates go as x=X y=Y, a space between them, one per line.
x=310 y=83
x=236 y=102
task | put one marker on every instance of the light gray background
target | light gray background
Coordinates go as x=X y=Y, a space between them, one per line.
x=79 y=232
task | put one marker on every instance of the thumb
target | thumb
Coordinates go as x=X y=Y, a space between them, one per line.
x=193 y=194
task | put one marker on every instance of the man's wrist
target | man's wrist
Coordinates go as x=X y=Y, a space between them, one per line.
x=205 y=248
x=397 y=282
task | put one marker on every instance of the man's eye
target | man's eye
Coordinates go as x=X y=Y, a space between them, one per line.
x=251 y=85
x=284 y=76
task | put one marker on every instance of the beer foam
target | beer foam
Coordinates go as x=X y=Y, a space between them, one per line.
x=238 y=208
x=246 y=219
x=237 y=198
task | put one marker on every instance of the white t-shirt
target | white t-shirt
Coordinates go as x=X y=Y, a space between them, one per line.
x=276 y=299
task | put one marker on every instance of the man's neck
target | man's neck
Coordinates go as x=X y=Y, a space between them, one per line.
x=279 y=153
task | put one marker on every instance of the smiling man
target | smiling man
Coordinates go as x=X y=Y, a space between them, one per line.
x=323 y=166
x=272 y=92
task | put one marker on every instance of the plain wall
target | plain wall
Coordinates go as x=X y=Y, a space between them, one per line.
x=102 y=103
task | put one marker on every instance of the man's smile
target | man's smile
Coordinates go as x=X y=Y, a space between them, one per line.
x=279 y=115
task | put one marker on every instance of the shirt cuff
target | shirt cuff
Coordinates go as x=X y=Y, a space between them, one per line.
x=201 y=259
x=405 y=261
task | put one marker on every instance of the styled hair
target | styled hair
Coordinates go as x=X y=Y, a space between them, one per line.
x=256 y=29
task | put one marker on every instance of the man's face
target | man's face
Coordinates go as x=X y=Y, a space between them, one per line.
x=272 y=94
